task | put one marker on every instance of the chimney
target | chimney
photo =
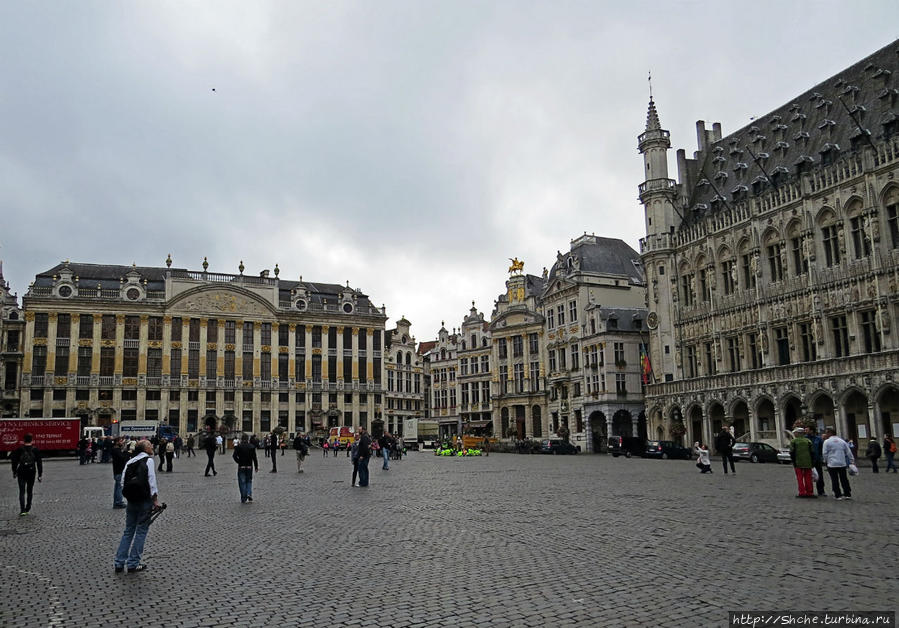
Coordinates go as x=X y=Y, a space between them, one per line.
x=700 y=135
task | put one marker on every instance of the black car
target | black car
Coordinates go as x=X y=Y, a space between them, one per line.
x=665 y=449
x=626 y=446
x=557 y=446
x=755 y=452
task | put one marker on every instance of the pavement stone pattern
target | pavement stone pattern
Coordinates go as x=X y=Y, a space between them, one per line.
x=505 y=540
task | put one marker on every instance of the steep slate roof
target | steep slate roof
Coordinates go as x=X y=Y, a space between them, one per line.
x=604 y=256
x=424 y=347
x=108 y=275
x=625 y=317
x=797 y=136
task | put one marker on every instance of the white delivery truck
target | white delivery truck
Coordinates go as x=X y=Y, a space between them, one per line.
x=135 y=430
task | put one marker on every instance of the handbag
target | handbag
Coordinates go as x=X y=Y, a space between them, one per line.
x=853 y=470
x=815 y=475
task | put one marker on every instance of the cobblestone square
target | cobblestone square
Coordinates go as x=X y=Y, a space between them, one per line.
x=504 y=540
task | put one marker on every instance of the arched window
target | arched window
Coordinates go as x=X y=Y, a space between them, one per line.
x=831 y=234
x=891 y=203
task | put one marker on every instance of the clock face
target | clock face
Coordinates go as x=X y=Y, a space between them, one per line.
x=65 y=291
x=133 y=294
x=652 y=321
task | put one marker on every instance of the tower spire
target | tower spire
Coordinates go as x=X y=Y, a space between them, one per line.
x=652 y=116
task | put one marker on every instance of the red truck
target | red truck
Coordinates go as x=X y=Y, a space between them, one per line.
x=49 y=434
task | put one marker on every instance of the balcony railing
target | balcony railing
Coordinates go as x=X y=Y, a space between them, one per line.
x=82 y=380
x=37 y=381
x=106 y=380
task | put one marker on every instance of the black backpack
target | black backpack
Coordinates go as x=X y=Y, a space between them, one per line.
x=27 y=459
x=136 y=484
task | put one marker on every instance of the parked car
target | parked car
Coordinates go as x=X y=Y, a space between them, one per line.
x=755 y=452
x=665 y=449
x=557 y=446
x=626 y=446
x=783 y=456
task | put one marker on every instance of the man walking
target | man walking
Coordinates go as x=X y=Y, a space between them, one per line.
x=26 y=465
x=143 y=495
x=190 y=445
x=873 y=453
x=364 y=455
x=245 y=457
x=384 y=444
x=889 y=450
x=119 y=458
x=299 y=444
x=273 y=444
x=801 y=454
x=724 y=444
x=211 y=448
x=837 y=457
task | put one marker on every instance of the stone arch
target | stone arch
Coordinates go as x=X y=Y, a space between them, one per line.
x=794 y=228
x=825 y=216
x=716 y=416
x=739 y=418
x=622 y=424
x=821 y=406
x=855 y=406
x=888 y=404
x=765 y=423
x=536 y=422
x=853 y=206
x=597 y=425
x=694 y=421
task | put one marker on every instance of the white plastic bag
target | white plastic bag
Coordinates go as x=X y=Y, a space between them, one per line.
x=853 y=470
x=815 y=475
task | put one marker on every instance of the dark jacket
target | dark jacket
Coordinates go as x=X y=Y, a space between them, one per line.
x=365 y=446
x=119 y=458
x=724 y=442
x=245 y=456
x=299 y=443
x=17 y=456
x=384 y=442
x=873 y=450
x=210 y=444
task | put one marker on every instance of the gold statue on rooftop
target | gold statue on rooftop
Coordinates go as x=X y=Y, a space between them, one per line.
x=517 y=266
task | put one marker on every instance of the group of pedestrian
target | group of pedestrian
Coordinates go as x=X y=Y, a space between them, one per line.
x=875 y=450
x=811 y=453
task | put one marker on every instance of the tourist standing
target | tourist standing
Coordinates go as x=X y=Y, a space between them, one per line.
x=273 y=444
x=837 y=457
x=299 y=444
x=119 y=458
x=354 y=458
x=873 y=452
x=384 y=444
x=143 y=496
x=179 y=445
x=801 y=454
x=889 y=450
x=220 y=442
x=169 y=456
x=325 y=449
x=724 y=444
x=211 y=448
x=190 y=445
x=364 y=455
x=245 y=457
x=160 y=449
x=26 y=466
x=817 y=457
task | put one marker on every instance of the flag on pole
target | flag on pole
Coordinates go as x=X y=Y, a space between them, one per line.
x=645 y=365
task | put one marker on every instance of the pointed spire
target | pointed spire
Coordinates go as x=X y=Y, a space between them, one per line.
x=652 y=117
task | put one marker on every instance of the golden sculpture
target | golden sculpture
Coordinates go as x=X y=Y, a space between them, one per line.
x=517 y=266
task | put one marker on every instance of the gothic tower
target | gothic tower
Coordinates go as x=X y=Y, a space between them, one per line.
x=658 y=195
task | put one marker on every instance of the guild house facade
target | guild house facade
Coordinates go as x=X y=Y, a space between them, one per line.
x=170 y=344
x=772 y=266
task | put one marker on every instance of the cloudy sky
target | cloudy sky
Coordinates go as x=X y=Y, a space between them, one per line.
x=408 y=147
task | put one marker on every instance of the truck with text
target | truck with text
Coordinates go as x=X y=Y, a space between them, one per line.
x=50 y=435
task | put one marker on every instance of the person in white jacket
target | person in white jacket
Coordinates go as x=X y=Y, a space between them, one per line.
x=837 y=458
x=703 y=463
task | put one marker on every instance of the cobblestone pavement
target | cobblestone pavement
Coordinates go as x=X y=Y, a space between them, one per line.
x=504 y=540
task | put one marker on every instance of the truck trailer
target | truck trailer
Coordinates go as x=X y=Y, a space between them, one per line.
x=50 y=435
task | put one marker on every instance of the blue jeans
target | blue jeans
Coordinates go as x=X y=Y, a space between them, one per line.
x=363 y=471
x=117 y=498
x=890 y=463
x=386 y=453
x=245 y=483
x=137 y=524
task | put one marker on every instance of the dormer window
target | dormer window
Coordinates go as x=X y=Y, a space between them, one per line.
x=775 y=120
x=801 y=137
x=861 y=136
x=829 y=153
x=759 y=184
x=782 y=146
x=739 y=193
x=739 y=167
x=703 y=183
x=780 y=175
x=721 y=176
x=736 y=152
x=759 y=139
x=753 y=129
x=719 y=160
x=718 y=150
x=803 y=164
x=827 y=124
x=890 y=125
x=799 y=117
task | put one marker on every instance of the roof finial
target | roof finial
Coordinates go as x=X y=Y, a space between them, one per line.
x=650 y=85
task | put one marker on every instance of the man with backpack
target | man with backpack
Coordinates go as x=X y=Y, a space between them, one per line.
x=26 y=465
x=299 y=444
x=139 y=488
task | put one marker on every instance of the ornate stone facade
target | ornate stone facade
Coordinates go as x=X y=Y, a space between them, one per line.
x=12 y=328
x=405 y=392
x=123 y=343
x=773 y=263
